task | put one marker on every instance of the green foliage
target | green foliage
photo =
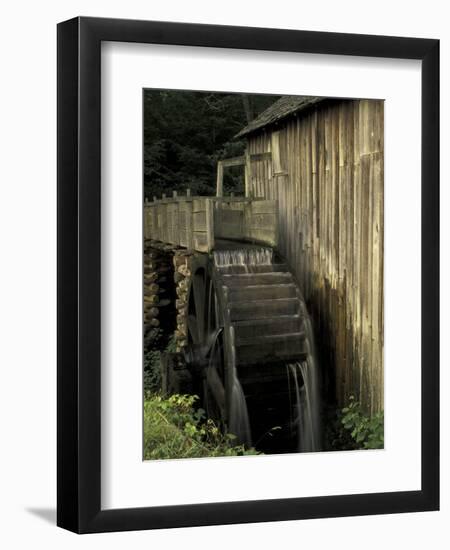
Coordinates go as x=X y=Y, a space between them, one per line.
x=152 y=361
x=171 y=345
x=152 y=367
x=152 y=370
x=174 y=428
x=351 y=429
x=186 y=133
x=366 y=431
x=336 y=437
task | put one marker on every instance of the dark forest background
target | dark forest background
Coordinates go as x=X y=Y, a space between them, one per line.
x=186 y=133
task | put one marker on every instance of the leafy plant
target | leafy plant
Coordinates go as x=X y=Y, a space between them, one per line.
x=174 y=428
x=366 y=431
x=152 y=362
x=336 y=437
x=152 y=371
x=171 y=345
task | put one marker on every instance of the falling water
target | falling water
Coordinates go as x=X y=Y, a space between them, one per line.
x=243 y=257
x=305 y=377
x=239 y=423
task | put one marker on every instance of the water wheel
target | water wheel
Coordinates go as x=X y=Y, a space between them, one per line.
x=246 y=326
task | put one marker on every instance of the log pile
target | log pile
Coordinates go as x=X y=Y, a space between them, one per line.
x=164 y=268
x=182 y=276
x=158 y=275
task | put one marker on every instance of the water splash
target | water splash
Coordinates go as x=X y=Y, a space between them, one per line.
x=243 y=257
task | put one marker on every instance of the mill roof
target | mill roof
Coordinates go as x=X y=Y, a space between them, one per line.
x=285 y=106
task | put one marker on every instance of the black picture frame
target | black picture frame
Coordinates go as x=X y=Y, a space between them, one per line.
x=79 y=280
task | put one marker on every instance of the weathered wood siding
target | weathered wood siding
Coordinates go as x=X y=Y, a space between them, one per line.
x=326 y=171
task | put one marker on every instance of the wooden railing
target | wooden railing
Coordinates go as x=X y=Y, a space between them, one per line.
x=197 y=222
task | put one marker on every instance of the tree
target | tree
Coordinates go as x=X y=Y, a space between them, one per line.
x=186 y=133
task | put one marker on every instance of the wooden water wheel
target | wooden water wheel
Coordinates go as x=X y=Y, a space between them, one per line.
x=246 y=323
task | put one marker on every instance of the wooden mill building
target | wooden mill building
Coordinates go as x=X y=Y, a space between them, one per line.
x=322 y=160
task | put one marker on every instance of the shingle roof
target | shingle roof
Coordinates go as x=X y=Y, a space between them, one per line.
x=285 y=106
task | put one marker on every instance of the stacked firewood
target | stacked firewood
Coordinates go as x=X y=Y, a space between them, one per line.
x=182 y=264
x=157 y=270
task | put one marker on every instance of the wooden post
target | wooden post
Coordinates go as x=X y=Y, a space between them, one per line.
x=219 y=190
x=209 y=224
x=146 y=231
x=247 y=174
x=189 y=225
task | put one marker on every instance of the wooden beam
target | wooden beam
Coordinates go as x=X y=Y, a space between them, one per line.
x=233 y=161
x=248 y=172
x=260 y=156
x=209 y=224
x=219 y=188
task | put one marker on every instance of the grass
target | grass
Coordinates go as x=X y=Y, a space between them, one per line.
x=175 y=428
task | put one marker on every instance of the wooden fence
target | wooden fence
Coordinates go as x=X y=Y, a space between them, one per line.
x=198 y=222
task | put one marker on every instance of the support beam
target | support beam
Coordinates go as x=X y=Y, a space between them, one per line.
x=219 y=188
x=248 y=171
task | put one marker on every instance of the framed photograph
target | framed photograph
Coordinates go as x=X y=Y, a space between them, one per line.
x=248 y=288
